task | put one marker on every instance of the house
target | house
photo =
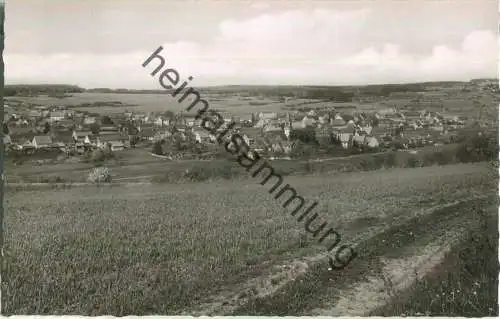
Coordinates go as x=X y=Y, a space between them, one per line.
x=115 y=139
x=190 y=120
x=272 y=128
x=308 y=121
x=366 y=129
x=312 y=113
x=20 y=122
x=82 y=137
x=116 y=146
x=324 y=119
x=261 y=123
x=298 y=125
x=387 y=111
x=281 y=146
x=437 y=128
x=65 y=123
x=6 y=140
x=268 y=115
x=226 y=116
x=246 y=119
x=359 y=140
x=27 y=146
x=108 y=128
x=34 y=115
x=56 y=116
x=42 y=141
x=147 y=133
x=412 y=115
x=338 y=121
x=161 y=135
x=236 y=119
x=144 y=126
x=89 y=120
x=161 y=121
x=386 y=122
x=345 y=139
x=63 y=138
x=287 y=130
x=202 y=136
x=322 y=133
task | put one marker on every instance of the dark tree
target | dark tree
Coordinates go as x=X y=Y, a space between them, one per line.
x=133 y=139
x=306 y=136
x=169 y=114
x=46 y=129
x=157 y=148
x=106 y=120
x=94 y=128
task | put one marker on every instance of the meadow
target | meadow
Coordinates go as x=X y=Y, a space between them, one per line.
x=163 y=249
x=154 y=103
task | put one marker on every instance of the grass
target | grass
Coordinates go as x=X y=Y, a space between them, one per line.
x=320 y=288
x=159 y=249
x=139 y=164
x=464 y=285
x=151 y=103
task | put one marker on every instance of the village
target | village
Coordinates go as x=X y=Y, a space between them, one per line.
x=61 y=129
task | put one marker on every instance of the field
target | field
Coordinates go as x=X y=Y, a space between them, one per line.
x=221 y=247
x=153 y=103
x=138 y=165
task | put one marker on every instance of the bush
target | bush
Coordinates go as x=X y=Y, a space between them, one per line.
x=99 y=175
x=198 y=173
x=157 y=147
x=51 y=179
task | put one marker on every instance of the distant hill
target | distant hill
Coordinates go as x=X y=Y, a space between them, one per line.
x=39 y=89
x=330 y=93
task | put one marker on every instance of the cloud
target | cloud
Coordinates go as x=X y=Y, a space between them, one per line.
x=259 y=5
x=318 y=46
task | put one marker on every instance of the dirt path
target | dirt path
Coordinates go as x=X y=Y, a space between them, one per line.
x=397 y=275
x=387 y=260
x=279 y=277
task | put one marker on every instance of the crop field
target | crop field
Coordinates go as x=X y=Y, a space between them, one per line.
x=167 y=249
x=155 y=103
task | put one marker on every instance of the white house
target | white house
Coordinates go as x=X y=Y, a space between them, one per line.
x=311 y=113
x=366 y=129
x=7 y=140
x=261 y=123
x=116 y=146
x=202 y=136
x=268 y=115
x=308 y=121
x=89 y=120
x=359 y=139
x=161 y=121
x=287 y=131
x=272 y=128
x=371 y=141
x=345 y=139
x=82 y=136
x=56 y=116
x=43 y=141
x=297 y=125
x=338 y=121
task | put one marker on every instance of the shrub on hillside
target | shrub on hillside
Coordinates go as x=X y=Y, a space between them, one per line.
x=99 y=175
x=98 y=156
x=158 y=148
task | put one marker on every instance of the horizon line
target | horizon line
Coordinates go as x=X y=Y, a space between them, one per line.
x=260 y=85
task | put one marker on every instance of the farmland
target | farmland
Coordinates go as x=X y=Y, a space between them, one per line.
x=151 y=103
x=178 y=249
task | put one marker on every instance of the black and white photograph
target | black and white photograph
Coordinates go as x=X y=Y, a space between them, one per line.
x=250 y=158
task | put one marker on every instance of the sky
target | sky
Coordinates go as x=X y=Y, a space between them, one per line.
x=103 y=43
